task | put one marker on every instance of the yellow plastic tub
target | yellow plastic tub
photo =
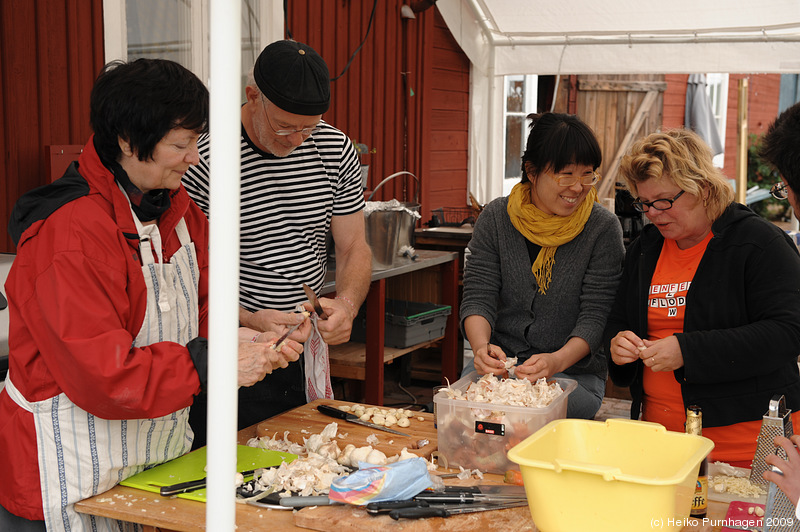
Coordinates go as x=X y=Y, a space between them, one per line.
x=618 y=475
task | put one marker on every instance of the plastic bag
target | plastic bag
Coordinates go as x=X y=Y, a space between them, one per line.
x=393 y=482
x=317 y=365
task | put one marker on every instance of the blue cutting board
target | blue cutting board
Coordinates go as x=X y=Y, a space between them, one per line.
x=192 y=466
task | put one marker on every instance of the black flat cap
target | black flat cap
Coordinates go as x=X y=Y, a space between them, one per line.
x=294 y=77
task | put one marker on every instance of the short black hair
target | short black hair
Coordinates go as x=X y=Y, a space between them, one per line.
x=781 y=146
x=141 y=102
x=557 y=140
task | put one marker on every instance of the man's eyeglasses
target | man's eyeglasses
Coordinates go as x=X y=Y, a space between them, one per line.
x=566 y=180
x=659 y=204
x=307 y=131
x=779 y=191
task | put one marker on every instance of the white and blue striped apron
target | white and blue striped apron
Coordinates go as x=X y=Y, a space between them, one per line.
x=81 y=455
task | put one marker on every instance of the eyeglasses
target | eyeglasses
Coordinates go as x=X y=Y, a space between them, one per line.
x=779 y=191
x=659 y=204
x=307 y=131
x=566 y=180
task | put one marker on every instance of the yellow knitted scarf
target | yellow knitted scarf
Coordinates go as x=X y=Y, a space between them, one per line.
x=546 y=230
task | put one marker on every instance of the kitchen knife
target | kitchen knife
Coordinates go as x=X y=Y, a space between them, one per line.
x=461 y=498
x=190 y=485
x=312 y=298
x=445 y=511
x=277 y=343
x=332 y=411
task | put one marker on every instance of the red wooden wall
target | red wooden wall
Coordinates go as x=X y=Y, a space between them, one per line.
x=50 y=53
x=762 y=108
x=405 y=95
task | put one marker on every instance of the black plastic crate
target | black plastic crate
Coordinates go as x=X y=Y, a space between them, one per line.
x=407 y=323
x=451 y=217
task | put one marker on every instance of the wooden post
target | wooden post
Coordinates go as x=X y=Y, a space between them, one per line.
x=741 y=147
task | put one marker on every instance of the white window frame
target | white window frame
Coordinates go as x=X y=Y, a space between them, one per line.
x=531 y=91
x=115 y=34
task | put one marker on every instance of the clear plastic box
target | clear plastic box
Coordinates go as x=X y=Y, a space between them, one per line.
x=478 y=435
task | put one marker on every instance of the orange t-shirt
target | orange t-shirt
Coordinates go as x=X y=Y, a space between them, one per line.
x=662 y=401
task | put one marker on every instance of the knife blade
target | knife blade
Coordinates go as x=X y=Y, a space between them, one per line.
x=445 y=511
x=190 y=485
x=332 y=411
x=312 y=298
x=277 y=343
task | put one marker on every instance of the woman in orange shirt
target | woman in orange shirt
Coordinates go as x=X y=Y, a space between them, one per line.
x=708 y=310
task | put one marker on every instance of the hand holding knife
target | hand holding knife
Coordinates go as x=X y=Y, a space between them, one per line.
x=312 y=298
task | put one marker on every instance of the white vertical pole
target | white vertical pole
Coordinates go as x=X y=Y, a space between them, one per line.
x=225 y=75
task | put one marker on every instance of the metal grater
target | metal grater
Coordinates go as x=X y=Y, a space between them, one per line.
x=777 y=422
x=779 y=515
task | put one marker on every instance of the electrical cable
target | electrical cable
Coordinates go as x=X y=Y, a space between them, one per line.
x=353 y=56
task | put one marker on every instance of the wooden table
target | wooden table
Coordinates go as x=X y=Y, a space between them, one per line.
x=373 y=352
x=162 y=514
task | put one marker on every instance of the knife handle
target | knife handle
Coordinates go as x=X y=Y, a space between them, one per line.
x=375 y=508
x=418 y=513
x=182 y=487
x=301 y=501
x=332 y=411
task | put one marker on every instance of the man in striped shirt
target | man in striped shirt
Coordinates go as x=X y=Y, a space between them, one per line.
x=300 y=179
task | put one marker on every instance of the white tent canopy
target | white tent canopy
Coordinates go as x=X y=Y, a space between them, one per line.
x=626 y=36
x=505 y=37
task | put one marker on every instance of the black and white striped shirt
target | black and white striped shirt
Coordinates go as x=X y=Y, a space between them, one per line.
x=286 y=209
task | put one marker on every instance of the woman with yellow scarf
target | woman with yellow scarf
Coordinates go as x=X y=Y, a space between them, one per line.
x=543 y=267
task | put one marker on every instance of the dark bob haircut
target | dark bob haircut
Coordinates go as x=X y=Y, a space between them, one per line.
x=781 y=146
x=141 y=102
x=557 y=140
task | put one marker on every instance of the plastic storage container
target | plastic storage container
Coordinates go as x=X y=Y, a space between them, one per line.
x=478 y=435
x=619 y=475
x=407 y=323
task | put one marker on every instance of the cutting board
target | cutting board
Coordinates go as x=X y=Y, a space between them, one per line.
x=192 y=466
x=306 y=420
x=355 y=518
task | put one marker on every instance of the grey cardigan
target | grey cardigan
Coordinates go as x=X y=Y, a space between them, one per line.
x=499 y=285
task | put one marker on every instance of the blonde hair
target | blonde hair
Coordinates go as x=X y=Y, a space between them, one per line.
x=682 y=156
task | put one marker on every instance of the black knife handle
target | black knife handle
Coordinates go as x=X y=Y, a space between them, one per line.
x=182 y=487
x=332 y=411
x=375 y=508
x=418 y=513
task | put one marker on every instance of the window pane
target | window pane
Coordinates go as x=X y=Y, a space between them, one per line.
x=250 y=35
x=159 y=29
x=514 y=128
x=515 y=98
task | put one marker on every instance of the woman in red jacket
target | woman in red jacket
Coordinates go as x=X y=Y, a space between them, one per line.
x=108 y=299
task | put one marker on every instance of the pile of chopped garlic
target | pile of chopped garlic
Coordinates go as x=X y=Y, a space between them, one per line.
x=733 y=481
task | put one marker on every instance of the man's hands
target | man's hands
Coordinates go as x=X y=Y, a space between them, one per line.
x=337 y=328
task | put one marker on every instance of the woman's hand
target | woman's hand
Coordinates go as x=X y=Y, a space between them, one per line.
x=625 y=348
x=257 y=358
x=662 y=355
x=489 y=359
x=537 y=366
x=789 y=481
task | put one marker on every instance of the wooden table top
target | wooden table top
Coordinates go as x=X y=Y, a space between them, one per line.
x=176 y=514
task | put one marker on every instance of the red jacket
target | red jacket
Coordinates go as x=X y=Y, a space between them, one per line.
x=77 y=299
